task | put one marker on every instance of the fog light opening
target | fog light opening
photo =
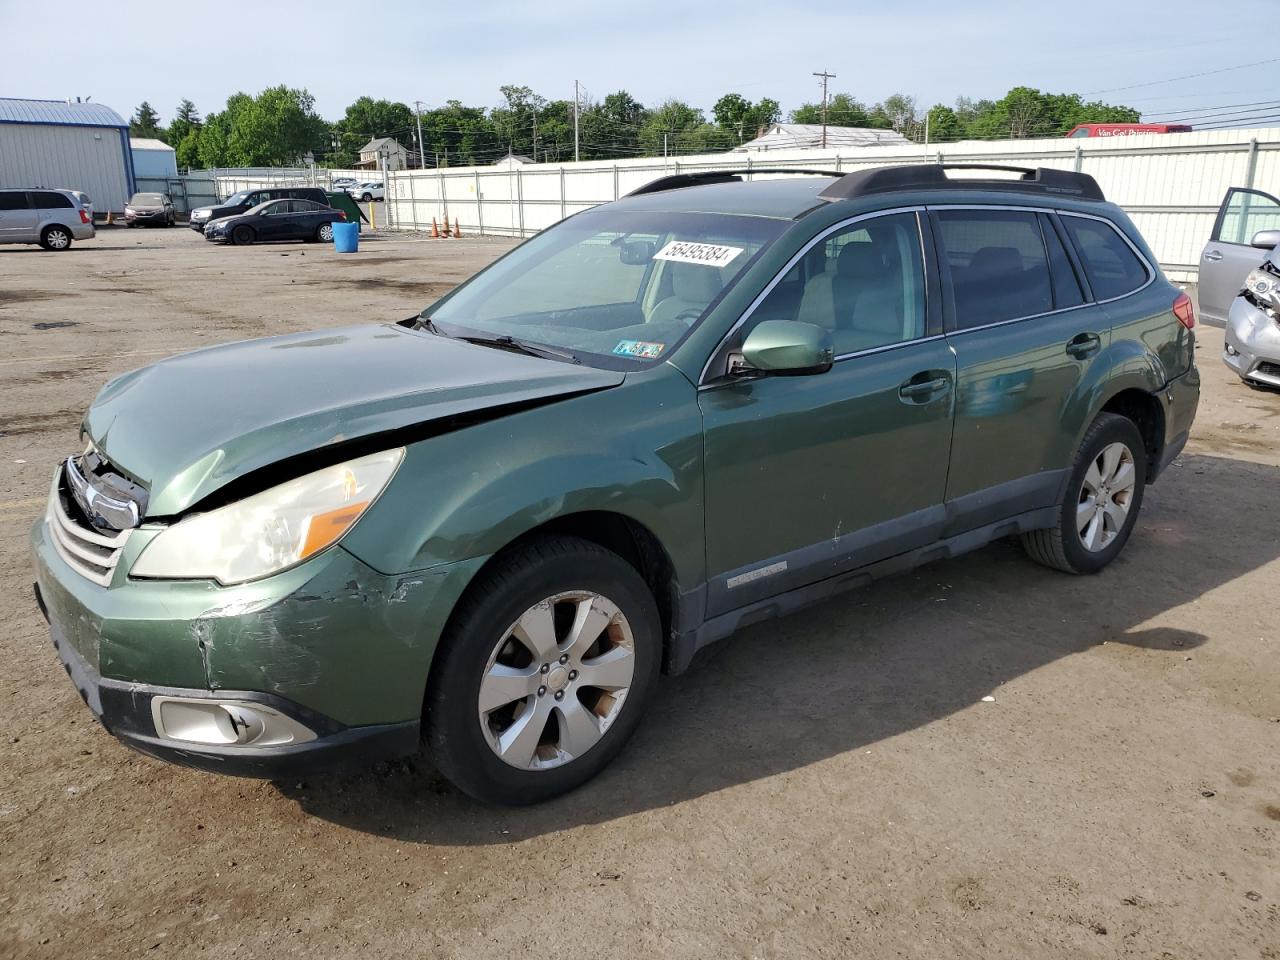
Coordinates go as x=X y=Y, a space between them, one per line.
x=225 y=723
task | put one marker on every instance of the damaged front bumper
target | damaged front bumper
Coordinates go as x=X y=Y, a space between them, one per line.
x=320 y=667
x=1251 y=344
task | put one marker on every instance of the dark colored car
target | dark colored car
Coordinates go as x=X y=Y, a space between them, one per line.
x=155 y=209
x=248 y=199
x=277 y=220
x=492 y=525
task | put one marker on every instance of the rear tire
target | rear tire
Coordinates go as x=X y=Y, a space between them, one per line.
x=1101 y=502
x=55 y=238
x=550 y=617
x=324 y=233
x=242 y=236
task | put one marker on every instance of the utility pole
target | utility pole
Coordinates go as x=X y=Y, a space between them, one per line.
x=422 y=148
x=825 y=77
x=575 y=121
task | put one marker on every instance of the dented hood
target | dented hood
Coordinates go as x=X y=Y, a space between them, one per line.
x=186 y=426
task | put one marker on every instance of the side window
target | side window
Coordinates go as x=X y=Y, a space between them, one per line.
x=48 y=200
x=864 y=283
x=1109 y=262
x=13 y=200
x=999 y=269
x=1244 y=213
x=1066 y=286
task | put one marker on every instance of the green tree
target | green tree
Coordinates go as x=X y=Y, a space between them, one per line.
x=843 y=110
x=611 y=128
x=745 y=120
x=276 y=128
x=366 y=119
x=145 y=122
x=186 y=121
x=187 y=150
x=944 y=124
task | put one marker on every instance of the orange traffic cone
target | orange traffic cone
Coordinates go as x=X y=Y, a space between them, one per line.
x=435 y=229
x=456 y=231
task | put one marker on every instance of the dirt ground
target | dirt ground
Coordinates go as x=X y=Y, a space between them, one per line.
x=981 y=759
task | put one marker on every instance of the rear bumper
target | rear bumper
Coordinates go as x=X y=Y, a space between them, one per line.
x=82 y=231
x=1179 y=400
x=125 y=710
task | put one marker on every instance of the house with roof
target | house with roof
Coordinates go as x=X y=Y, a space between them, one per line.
x=371 y=154
x=67 y=145
x=808 y=136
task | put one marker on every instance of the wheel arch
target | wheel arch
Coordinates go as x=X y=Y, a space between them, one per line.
x=1144 y=411
x=618 y=533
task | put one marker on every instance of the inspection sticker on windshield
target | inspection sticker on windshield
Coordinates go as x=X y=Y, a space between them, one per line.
x=707 y=254
x=642 y=349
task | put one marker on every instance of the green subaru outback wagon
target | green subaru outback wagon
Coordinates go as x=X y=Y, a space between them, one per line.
x=490 y=527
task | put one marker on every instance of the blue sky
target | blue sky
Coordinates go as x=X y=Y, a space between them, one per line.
x=121 y=52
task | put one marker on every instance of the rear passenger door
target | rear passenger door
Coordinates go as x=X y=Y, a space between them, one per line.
x=1025 y=335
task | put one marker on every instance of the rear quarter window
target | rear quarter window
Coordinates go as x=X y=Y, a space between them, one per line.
x=48 y=200
x=1109 y=262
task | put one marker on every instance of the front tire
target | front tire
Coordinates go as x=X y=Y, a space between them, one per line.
x=242 y=236
x=543 y=672
x=367 y=198
x=1101 y=503
x=56 y=238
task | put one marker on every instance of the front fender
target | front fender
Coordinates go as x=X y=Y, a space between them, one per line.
x=635 y=450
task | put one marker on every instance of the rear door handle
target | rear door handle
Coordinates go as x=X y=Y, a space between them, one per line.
x=1214 y=255
x=917 y=391
x=1084 y=345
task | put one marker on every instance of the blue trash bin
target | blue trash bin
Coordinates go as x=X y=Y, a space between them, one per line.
x=346 y=237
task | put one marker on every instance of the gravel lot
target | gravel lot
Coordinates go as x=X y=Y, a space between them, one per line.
x=981 y=759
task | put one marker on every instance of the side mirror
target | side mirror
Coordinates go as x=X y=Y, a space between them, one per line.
x=787 y=347
x=637 y=253
x=1266 y=239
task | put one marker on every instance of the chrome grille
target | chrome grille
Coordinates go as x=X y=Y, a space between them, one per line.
x=91 y=553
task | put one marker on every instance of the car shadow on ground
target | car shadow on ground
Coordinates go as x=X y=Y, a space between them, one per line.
x=861 y=668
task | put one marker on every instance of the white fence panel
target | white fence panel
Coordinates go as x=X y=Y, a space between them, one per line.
x=1170 y=184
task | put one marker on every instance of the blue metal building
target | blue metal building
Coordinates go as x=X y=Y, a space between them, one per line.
x=72 y=146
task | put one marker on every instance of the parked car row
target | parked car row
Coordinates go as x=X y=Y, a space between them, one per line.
x=365 y=190
x=278 y=220
x=245 y=200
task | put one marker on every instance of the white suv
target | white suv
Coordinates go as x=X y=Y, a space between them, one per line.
x=51 y=218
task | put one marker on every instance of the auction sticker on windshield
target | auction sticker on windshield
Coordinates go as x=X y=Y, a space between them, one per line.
x=707 y=254
x=642 y=349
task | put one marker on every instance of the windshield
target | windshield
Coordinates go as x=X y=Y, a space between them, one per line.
x=236 y=199
x=147 y=200
x=618 y=289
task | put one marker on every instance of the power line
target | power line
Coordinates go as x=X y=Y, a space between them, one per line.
x=1189 y=76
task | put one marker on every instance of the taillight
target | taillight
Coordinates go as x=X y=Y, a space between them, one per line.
x=84 y=216
x=342 y=214
x=1184 y=311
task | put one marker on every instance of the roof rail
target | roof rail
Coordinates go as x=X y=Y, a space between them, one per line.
x=677 y=180
x=932 y=176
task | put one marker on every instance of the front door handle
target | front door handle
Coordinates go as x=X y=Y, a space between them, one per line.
x=1084 y=345
x=921 y=391
x=1213 y=255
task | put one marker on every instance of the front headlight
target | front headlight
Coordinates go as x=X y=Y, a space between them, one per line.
x=199 y=214
x=1262 y=283
x=129 y=210
x=272 y=530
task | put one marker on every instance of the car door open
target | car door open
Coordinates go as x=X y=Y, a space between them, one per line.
x=1228 y=256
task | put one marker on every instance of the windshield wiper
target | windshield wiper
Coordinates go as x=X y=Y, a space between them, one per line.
x=505 y=342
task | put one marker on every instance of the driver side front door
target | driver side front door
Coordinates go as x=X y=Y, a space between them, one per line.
x=809 y=477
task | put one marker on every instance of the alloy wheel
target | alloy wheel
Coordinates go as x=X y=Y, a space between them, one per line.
x=326 y=232
x=58 y=239
x=556 y=680
x=1105 y=497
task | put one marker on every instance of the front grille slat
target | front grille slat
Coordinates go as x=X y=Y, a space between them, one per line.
x=90 y=553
